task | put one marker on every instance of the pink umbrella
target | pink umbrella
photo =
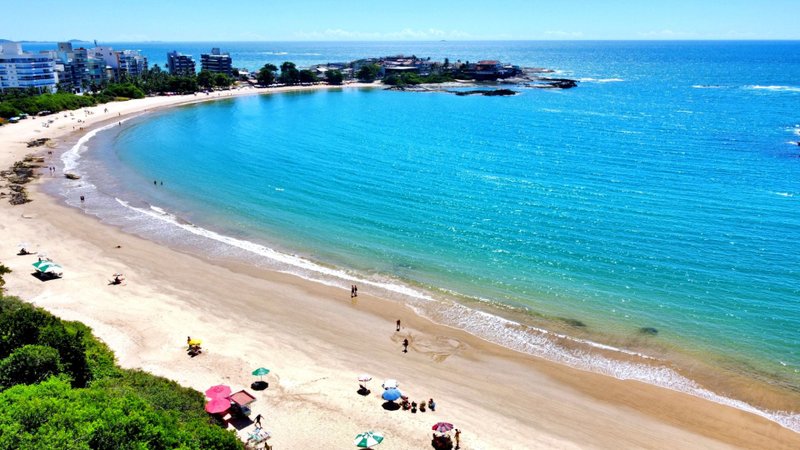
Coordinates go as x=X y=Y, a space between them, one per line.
x=218 y=391
x=442 y=427
x=218 y=405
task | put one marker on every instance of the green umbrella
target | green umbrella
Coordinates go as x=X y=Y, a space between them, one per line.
x=368 y=439
x=47 y=266
x=260 y=372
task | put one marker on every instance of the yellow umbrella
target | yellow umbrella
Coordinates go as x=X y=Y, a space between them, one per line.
x=195 y=342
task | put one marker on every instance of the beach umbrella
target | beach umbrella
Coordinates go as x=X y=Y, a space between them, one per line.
x=364 y=377
x=218 y=391
x=390 y=384
x=368 y=439
x=218 y=405
x=47 y=266
x=391 y=394
x=260 y=372
x=195 y=341
x=442 y=427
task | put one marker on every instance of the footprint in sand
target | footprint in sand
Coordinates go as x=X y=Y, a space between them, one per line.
x=438 y=348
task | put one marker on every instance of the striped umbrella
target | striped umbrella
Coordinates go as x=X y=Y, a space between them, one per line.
x=368 y=439
x=47 y=266
x=442 y=427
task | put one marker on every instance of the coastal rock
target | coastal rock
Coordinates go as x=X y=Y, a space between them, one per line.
x=650 y=331
x=72 y=176
x=555 y=83
x=486 y=92
x=38 y=142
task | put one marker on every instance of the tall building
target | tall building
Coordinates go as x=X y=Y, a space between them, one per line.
x=116 y=63
x=217 y=62
x=180 y=64
x=26 y=70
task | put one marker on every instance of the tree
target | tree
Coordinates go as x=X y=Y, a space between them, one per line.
x=29 y=364
x=266 y=75
x=222 y=81
x=334 y=77
x=307 y=76
x=3 y=269
x=289 y=73
x=368 y=73
x=204 y=79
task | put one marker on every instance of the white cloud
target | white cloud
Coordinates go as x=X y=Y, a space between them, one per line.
x=406 y=34
x=668 y=34
x=564 y=34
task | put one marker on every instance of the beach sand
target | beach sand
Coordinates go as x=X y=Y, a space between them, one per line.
x=317 y=340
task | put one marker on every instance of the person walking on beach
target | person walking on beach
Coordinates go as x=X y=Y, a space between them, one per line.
x=352 y=290
x=258 y=420
x=398 y=325
x=405 y=345
x=458 y=438
x=355 y=290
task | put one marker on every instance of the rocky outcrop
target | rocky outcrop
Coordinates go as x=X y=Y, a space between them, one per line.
x=38 y=142
x=486 y=92
x=72 y=176
x=18 y=175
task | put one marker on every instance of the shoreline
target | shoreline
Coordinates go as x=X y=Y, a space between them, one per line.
x=432 y=338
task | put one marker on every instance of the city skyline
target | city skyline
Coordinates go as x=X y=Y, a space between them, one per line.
x=413 y=20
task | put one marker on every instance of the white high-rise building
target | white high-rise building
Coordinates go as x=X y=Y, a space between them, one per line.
x=20 y=70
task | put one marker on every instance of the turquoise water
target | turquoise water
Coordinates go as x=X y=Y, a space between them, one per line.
x=662 y=192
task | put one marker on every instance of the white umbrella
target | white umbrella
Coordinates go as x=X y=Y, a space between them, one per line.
x=364 y=377
x=390 y=383
x=368 y=439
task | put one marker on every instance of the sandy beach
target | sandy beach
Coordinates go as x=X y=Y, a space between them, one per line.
x=316 y=339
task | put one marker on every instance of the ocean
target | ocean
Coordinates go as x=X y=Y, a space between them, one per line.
x=640 y=225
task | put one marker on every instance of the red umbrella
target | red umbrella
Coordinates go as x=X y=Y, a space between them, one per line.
x=218 y=405
x=218 y=391
x=442 y=427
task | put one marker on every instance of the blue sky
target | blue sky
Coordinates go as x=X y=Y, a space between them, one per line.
x=299 y=20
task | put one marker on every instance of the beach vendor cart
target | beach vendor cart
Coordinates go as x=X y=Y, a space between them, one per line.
x=240 y=403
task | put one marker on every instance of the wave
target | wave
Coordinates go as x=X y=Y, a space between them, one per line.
x=775 y=88
x=708 y=86
x=155 y=212
x=600 y=80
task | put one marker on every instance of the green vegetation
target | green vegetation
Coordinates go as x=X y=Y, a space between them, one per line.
x=406 y=79
x=368 y=73
x=60 y=388
x=14 y=102
x=266 y=75
x=289 y=74
x=124 y=90
x=334 y=77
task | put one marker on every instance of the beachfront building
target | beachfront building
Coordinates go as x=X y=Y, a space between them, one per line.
x=180 y=64
x=217 y=62
x=117 y=64
x=23 y=70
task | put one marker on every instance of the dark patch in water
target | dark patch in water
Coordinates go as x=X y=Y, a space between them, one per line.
x=572 y=322
x=650 y=331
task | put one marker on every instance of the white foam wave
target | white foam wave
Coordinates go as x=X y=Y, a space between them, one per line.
x=707 y=86
x=784 y=194
x=295 y=261
x=539 y=342
x=600 y=80
x=71 y=157
x=776 y=88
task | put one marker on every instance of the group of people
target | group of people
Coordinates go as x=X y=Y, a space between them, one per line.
x=406 y=405
x=353 y=291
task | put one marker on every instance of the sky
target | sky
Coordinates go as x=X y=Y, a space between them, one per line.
x=398 y=20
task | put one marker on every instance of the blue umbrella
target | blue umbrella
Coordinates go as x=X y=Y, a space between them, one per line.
x=391 y=394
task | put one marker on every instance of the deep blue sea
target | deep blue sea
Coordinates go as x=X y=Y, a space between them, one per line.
x=663 y=192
